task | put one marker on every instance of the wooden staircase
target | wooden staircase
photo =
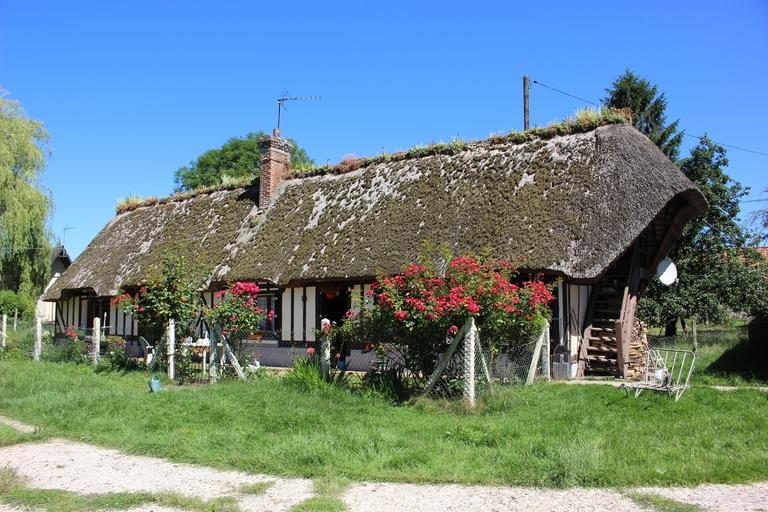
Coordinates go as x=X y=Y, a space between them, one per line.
x=601 y=347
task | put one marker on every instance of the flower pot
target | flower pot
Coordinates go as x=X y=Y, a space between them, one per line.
x=154 y=385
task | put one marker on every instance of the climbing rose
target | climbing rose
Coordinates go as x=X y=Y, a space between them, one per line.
x=470 y=287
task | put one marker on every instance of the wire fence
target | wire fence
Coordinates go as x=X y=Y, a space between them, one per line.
x=467 y=367
x=472 y=362
x=689 y=341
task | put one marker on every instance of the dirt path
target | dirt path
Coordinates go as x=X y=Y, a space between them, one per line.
x=86 y=469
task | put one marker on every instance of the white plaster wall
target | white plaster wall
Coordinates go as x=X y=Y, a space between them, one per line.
x=578 y=300
x=298 y=310
x=285 y=314
x=311 y=313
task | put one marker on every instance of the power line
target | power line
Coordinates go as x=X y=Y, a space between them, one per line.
x=565 y=93
x=727 y=145
x=739 y=148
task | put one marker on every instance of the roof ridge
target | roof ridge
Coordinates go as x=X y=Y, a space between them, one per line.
x=132 y=203
x=582 y=121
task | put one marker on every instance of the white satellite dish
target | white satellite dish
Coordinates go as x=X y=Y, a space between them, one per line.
x=666 y=271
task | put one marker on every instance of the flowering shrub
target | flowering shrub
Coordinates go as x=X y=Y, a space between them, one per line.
x=419 y=310
x=116 y=356
x=73 y=350
x=238 y=310
x=469 y=287
x=172 y=294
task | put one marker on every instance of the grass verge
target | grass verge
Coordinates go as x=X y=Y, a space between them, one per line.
x=328 y=491
x=543 y=435
x=14 y=493
x=9 y=436
x=662 y=504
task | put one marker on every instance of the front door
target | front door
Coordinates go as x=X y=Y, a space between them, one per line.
x=333 y=303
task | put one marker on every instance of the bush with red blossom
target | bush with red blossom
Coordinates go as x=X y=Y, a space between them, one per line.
x=237 y=309
x=421 y=309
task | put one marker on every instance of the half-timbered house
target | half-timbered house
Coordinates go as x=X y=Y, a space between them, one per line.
x=597 y=207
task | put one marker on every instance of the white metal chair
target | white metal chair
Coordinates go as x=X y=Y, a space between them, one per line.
x=149 y=353
x=667 y=370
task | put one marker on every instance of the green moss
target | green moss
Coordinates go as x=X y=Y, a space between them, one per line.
x=564 y=204
x=583 y=121
x=133 y=202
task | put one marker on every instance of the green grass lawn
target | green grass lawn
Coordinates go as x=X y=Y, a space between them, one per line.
x=732 y=364
x=727 y=359
x=546 y=434
x=10 y=436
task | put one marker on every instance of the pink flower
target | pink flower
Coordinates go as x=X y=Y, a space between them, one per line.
x=310 y=351
x=453 y=330
x=401 y=315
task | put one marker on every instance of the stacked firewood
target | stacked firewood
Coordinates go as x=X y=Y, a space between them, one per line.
x=638 y=347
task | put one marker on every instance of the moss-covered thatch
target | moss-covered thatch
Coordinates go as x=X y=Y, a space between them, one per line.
x=132 y=245
x=564 y=203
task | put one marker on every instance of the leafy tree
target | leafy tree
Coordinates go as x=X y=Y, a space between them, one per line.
x=24 y=207
x=238 y=159
x=11 y=301
x=648 y=109
x=762 y=218
x=716 y=275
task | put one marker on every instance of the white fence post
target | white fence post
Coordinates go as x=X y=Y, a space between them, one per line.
x=469 y=362
x=171 y=344
x=38 y=338
x=15 y=318
x=212 y=369
x=3 y=330
x=325 y=348
x=96 y=340
x=545 y=367
x=536 y=356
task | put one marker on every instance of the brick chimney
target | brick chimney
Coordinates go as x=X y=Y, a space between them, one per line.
x=275 y=166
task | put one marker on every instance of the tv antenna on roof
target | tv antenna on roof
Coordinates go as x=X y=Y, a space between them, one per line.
x=64 y=238
x=281 y=104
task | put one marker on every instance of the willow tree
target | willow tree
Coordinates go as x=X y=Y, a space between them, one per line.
x=24 y=206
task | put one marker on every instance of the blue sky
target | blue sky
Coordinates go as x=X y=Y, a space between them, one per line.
x=130 y=91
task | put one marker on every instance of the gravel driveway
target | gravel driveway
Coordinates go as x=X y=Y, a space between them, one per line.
x=86 y=469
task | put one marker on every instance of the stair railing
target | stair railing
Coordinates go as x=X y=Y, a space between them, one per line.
x=627 y=317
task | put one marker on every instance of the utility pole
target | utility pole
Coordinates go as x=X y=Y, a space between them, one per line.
x=526 y=117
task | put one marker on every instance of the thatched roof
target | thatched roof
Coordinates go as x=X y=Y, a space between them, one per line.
x=570 y=204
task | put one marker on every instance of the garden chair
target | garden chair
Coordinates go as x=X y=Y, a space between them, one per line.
x=149 y=353
x=666 y=370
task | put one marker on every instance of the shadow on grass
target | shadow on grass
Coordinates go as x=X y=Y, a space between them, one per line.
x=746 y=360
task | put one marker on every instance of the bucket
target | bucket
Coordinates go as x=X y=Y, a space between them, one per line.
x=154 y=385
